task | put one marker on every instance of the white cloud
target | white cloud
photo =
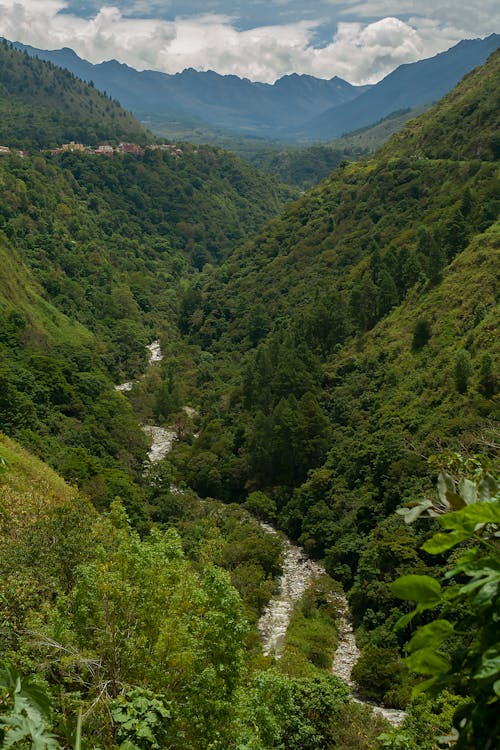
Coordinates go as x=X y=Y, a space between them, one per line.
x=361 y=52
x=473 y=18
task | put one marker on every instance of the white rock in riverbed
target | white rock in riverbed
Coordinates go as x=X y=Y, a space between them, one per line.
x=155 y=353
x=162 y=441
x=298 y=572
x=124 y=386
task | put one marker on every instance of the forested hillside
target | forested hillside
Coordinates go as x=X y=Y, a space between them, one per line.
x=363 y=323
x=107 y=242
x=319 y=370
x=94 y=252
x=42 y=106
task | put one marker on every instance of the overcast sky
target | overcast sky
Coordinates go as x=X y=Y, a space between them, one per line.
x=359 y=40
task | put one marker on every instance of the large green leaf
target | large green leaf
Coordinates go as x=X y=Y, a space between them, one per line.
x=442 y=542
x=468 y=491
x=424 y=590
x=411 y=514
x=428 y=661
x=480 y=512
x=445 y=484
x=490 y=664
x=488 y=488
x=431 y=635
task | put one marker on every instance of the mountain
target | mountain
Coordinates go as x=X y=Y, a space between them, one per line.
x=310 y=368
x=42 y=106
x=305 y=166
x=294 y=108
x=94 y=252
x=360 y=330
x=227 y=102
x=409 y=86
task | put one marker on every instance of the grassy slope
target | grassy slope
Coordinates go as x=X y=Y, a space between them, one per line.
x=28 y=487
x=45 y=324
x=464 y=125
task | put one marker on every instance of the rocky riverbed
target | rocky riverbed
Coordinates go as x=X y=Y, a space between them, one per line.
x=162 y=438
x=298 y=573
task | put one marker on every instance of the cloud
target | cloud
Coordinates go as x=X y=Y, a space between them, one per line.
x=361 y=51
x=472 y=18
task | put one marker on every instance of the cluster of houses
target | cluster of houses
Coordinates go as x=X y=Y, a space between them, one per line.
x=5 y=151
x=123 y=148
x=103 y=150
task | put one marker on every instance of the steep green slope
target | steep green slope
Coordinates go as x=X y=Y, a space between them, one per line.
x=465 y=124
x=21 y=299
x=110 y=238
x=56 y=393
x=42 y=106
x=371 y=230
x=350 y=339
x=94 y=253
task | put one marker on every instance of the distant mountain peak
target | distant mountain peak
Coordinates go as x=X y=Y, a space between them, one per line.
x=296 y=107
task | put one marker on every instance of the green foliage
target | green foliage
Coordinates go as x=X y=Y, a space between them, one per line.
x=301 y=167
x=311 y=633
x=488 y=380
x=292 y=713
x=261 y=506
x=141 y=717
x=43 y=106
x=463 y=370
x=421 y=334
x=24 y=712
x=470 y=599
x=428 y=721
x=464 y=125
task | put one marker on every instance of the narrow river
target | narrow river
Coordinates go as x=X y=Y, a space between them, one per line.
x=299 y=572
x=162 y=438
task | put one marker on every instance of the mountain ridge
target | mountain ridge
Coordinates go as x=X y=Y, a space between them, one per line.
x=410 y=85
x=219 y=100
x=295 y=108
x=42 y=105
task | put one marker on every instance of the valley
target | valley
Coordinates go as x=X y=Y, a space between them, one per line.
x=224 y=408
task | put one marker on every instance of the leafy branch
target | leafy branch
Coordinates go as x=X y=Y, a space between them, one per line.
x=468 y=512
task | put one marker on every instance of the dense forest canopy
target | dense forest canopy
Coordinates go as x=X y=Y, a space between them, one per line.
x=42 y=106
x=313 y=364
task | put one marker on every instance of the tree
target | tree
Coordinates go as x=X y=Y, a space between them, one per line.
x=463 y=370
x=387 y=294
x=459 y=646
x=421 y=334
x=488 y=382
